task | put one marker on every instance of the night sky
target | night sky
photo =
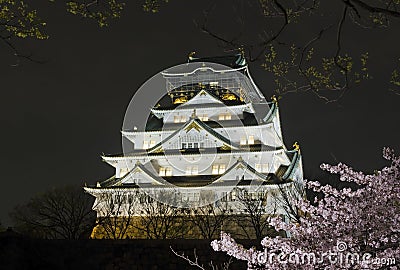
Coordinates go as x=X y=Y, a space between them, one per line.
x=58 y=117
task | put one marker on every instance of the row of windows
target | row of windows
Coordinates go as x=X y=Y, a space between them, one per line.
x=226 y=196
x=148 y=144
x=247 y=141
x=165 y=171
x=185 y=145
x=180 y=119
x=202 y=117
x=262 y=168
x=193 y=170
x=216 y=169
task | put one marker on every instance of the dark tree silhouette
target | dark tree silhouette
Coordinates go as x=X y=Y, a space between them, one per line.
x=61 y=213
x=209 y=219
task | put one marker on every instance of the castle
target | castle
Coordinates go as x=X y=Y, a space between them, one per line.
x=211 y=140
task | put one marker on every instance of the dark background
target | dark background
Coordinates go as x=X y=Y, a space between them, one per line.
x=58 y=117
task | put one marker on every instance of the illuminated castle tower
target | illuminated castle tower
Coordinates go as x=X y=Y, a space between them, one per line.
x=212 y=135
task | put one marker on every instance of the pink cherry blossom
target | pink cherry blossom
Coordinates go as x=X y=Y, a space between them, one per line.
x=363 y=220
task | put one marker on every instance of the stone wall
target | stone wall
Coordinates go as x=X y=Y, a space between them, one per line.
x=180 y=227
x=18 y=252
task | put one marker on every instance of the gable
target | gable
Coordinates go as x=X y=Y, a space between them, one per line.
x=203 y=97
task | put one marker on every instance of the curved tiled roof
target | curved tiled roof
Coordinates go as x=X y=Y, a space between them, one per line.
x=200 y=124
x=233 y=61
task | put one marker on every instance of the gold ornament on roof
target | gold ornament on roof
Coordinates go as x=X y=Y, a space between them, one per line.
x=229 y=97
x=296 y=146
x=180 y=100
x=191 y=55
x=193 y=125
x=241 y=50
x=225 y=147
x=274 y=99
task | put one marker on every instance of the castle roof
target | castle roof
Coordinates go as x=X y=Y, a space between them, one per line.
x=282 y=175
x=233 y=61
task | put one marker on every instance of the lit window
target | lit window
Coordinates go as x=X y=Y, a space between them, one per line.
x=145 y=144
x=215 y=169
x=221 y=169
x=218 y=169
x=203 y=117
x=225 y=116
x=243 y=141
x=165 y=171
x=180 y=118
x=192 y=170
x=152 y=143
x=186 y=145
x=258 y=167
x=251 y=139
x=161 y=172
x=263 y=168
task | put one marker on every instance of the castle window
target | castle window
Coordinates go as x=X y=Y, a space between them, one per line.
x=243 y=141
x=251 y=139
x=192 y=170
x=262 y=168
x=215 y=169
x=218 y=169
x=186 y=145
x=203 y=117
x=213 y=83
x=148 y=144
x=165 y=171
x=221 y=168
x=145 y=144
x=225 y=116
x=180 y=118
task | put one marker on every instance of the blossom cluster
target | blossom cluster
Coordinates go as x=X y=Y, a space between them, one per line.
x=366 y=217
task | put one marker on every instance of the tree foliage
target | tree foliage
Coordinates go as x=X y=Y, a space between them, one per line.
x=61 y=213
x=319 y=61
x=364 y=220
